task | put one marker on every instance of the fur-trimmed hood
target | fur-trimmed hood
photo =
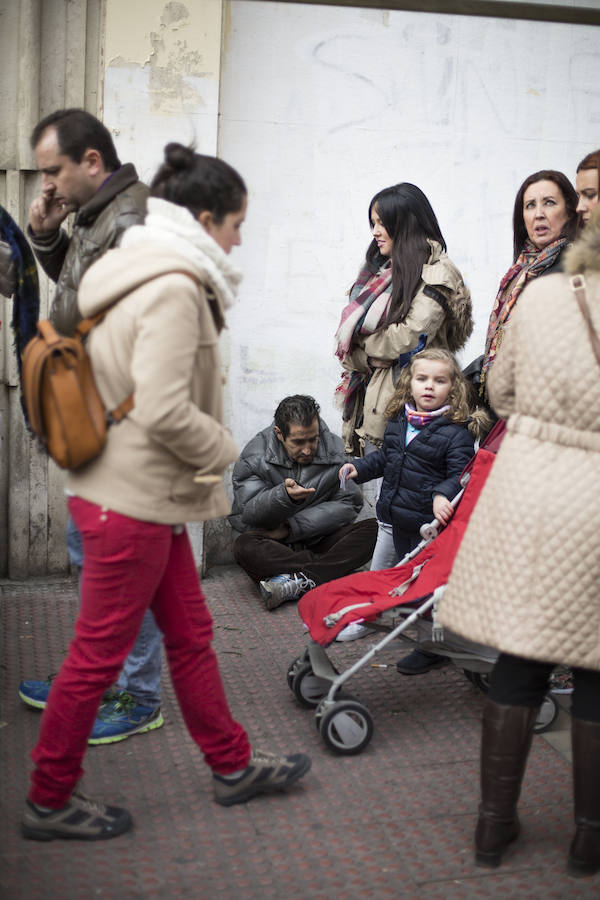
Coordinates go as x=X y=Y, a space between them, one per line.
x=584 y=255
x=440 y=272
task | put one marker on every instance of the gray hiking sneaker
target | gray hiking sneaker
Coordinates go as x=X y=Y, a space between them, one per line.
x=81 y=818
x=281 y=588
x=265 y=772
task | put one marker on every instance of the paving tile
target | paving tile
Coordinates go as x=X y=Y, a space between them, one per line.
x=395 y=821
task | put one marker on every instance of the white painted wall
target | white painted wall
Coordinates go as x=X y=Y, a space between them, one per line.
x=161 y=82
x=323 y=106
x=320 y=107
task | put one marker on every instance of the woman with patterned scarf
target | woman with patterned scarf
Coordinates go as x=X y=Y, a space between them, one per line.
x=408 y=295
x=544 y=224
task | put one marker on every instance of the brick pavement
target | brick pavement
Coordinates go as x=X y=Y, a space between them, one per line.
x=394 y=822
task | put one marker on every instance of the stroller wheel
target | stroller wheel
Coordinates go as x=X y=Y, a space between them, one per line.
x=547 y=715
x=308 y=688
x=346 y=727
x=294 y=666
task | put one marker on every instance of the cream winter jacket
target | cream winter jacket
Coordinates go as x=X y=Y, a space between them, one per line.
x=527 y=576
x=161 y=342
x=443 y=315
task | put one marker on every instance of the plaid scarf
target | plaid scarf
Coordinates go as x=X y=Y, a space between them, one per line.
x=420 y=419
x=369 y=300
x=26 y=300
x=531 y=263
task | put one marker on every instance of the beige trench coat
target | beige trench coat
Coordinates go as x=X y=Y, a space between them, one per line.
x=448 y=327
x=527 y=576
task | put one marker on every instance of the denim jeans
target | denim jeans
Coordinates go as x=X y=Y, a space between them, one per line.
x=384 y=554
x=141 y=671
x=130 y=566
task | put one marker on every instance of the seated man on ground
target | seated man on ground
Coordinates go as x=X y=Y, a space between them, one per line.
x=296 y=522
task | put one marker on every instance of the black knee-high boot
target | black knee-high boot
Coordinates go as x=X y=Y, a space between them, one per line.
x=584 y=853
x=505 y=741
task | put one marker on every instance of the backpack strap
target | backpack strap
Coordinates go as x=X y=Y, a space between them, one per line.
x=117 y=415
x=49 y=333
x=85 y=326
x=577 y=283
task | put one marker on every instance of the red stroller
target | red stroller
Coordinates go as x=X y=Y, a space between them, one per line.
x=387 y=600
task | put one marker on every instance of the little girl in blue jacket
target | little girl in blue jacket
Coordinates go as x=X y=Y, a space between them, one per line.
x=426 y=445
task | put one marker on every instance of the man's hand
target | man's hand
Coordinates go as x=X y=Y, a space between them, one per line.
x=46 y=214
x=442 y=509
x=277 y=534
x=296 y=492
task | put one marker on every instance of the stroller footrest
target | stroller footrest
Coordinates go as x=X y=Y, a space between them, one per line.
x=320 y=663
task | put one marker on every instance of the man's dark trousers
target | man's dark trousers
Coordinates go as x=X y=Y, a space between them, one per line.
x=337 y=554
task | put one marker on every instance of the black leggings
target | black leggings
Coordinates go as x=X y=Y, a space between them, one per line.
x=516 y=681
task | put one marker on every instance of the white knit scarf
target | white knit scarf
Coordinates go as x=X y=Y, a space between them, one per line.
x=175 y=227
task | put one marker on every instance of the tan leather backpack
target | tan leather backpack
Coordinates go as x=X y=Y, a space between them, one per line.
x=62 y=401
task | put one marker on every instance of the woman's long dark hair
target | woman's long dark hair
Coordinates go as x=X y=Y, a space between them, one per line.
x=408 y=218
x=570 y=197
x=198 y=182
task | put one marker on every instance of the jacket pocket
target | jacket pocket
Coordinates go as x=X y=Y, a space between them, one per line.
x=185 y=490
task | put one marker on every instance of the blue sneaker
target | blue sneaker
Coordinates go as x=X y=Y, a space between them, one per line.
x=35 y=693
x=121 y=717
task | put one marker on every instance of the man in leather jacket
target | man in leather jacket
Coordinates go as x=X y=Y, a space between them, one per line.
x=82 y=173
x=294 y=520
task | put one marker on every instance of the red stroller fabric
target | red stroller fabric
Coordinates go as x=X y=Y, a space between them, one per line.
x=372 y=589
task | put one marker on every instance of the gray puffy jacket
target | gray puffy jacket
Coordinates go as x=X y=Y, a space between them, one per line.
x=98 y=226
x=261 y=500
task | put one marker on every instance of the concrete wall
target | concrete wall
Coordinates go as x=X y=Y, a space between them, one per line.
x=319 y=107
x=49 y=58
x=161 y=83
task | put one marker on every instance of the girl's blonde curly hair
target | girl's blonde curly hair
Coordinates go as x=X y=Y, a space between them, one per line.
x=459 y=411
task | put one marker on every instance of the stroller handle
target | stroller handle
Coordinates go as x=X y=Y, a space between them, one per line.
x=430 y=530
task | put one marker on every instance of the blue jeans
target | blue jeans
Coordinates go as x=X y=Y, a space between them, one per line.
x=141 y=671
x=384 y=554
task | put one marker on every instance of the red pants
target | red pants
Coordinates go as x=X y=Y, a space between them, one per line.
x=128 y=566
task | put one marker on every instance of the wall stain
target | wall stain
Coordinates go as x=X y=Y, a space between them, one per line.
x=173 y=66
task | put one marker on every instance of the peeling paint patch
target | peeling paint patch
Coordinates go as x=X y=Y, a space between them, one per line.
x=174 y=66
x=119 y=62
x=184 y=37
x=173 y=13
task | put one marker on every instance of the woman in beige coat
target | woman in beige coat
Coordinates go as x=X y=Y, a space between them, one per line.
x=168 y=286
x=527 y=577
x=408 y=295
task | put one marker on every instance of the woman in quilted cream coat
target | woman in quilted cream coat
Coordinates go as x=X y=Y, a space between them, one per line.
x=527 y=577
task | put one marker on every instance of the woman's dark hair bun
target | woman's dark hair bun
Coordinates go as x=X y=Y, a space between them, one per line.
x=178 y=157
x=198 y=182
